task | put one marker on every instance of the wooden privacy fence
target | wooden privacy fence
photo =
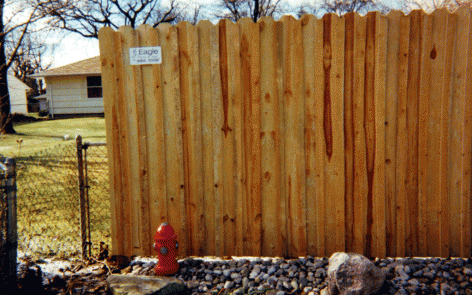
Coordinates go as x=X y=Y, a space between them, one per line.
x=293 y=137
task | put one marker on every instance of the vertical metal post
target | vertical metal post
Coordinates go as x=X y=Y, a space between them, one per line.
x=10 y=246
x=82 y=203
x=85 y=146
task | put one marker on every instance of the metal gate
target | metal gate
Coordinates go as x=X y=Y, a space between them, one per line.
x=94 y=203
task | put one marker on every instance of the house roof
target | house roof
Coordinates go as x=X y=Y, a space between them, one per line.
x=84 y=67
x=15 y=83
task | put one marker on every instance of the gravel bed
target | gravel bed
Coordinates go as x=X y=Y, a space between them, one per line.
x=275 y=276
x=308 y=275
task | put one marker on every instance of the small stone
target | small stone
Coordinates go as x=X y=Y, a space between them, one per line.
x=149 y=264
x=126 y=284
x=294 y=285
x=227 y=272
x=271 y=270
x=414 y=282
x=467 y=271
x=237 y=280
x=431 y=274
x=280 y=293
x=217 y=272
x=418 y=273
x=239 y=291
x=307 y=289
x=280 y=286
x=228 y=285
x=235 y=275
x=401 y=292
x=257 y=280
x=286 y=285
x=208 y=278
x=245 y=282
x=303 y=282
x=320 y=273
x=254 y=273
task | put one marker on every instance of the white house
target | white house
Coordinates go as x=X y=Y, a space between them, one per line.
x=18 y=98
x=74 y=88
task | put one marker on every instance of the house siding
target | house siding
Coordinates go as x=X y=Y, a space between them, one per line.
x=17 y=91
x=68 y=95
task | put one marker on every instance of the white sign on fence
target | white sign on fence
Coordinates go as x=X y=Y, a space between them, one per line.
x=145 y=55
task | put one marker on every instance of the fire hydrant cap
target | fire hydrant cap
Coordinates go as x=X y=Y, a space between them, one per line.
x=165 y=232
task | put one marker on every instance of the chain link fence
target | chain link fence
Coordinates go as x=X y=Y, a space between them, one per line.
x=49 y=203
x=8 y=225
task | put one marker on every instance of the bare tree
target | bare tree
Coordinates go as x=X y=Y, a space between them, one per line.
x=255 y=9
x=29 y=60
x=17 y=19
x=87 y=17
x=431 y=5
x=341 y=7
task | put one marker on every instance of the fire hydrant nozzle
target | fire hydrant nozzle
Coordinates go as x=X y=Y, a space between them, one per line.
x=166 y=246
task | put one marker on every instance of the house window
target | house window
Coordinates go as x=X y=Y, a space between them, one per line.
x=94 y=86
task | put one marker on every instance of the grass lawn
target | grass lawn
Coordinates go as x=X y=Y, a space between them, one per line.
x=43 y=134
x=48 y=194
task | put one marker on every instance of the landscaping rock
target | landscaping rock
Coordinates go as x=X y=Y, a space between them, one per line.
x=144 y=285
x=353 y=274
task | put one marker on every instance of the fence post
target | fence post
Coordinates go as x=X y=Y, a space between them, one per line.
x=9 y=241
x=83 y=220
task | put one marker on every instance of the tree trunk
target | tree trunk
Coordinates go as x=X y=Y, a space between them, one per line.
x=6 y=122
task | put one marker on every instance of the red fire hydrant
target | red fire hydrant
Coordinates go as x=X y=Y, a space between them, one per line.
x=166 y=246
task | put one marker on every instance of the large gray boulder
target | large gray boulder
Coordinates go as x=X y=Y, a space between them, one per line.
x=144 y=285
x=353 y=274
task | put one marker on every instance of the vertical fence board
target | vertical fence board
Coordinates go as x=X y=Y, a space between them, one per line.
x=218 y=118
x=456 y=136
x=173 y=134
x=424 y=110
x=294 y=137
x=445 y=134
x=230 y=177
x=110 y=73
x=402 y=136
x=205 y=34
x=192 y=134
x=133 y=96
x=390 y=128
x=467 y=148
x=434 y=178
x=379 y=243
x=236 y=95
x=349 y=87
x=370 y=117
x=313 y=59
x=358 y=115
x=251 y=78
x=411 y=187
x=461 y=130
x=333 y=124
x=155 y=137
x=273 y=223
